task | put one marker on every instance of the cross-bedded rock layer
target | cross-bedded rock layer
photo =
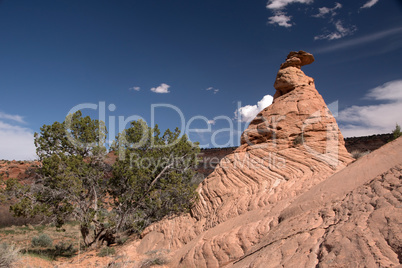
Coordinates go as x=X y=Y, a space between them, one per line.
x=288 y=148
x=285 y=199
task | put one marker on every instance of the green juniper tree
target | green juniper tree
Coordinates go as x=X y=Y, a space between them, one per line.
x=71 y=183
x=150 y=180
x=152 y=177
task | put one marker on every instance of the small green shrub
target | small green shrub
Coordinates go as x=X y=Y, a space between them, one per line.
x=50 y=253
x=356 y=154
x=43 y=240
x=8 y=254
x=62 y=249
x=106 y=251
x=157 y=257
x=153 y=261
x=122 y=240
x=396 y=133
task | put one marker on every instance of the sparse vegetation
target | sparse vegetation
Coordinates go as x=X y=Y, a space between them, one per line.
x=154 y=261
x=106 y=251
x=33 y=243
x=3 y=197
x=121 y=240
x=121 y=261
x=74 y=182
x=356 y=154
x=396 y=133
x=7 y=232
x=43 y=240
x=8 y=254
x=157 y=257
x=64 y=249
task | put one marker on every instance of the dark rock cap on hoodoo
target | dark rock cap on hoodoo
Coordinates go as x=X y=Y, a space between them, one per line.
x=290 y=74
x=298 y=59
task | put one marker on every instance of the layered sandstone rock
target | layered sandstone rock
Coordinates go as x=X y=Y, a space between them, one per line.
x=288 y=148
x=352 y=219
x=290 y=76
x=285 y=199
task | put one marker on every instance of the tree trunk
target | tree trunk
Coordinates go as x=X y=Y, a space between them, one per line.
x=85 y=233
x=100 y=235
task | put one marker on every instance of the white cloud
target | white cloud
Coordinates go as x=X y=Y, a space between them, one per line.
x=280 y=4
x=323 y=11
x=376 y=118
x=212 y=122
x=16 y=142
x=330 y=36
x=135 y=88
x=360 y=40
x=370 y=3
x=280 y=19
x=340 y=31
x=249 y=112
x=163 y=88
x=391 y=91
x=16 y=118
x=215 y=90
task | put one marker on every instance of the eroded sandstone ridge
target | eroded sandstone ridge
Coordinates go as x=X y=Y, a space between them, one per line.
x=287 y=197
x=288 y=148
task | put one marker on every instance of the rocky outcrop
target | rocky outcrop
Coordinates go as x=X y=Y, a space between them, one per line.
x=352 y=219
x=21 y=170
x=288 y=148
x=24 y=171
x=289 y=196
x=290 y=76
x=210 y=157
x=298 y=115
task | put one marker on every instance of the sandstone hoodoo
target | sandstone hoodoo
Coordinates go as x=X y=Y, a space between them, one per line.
x=288 y=148
x=298 y=115
x=290 y=76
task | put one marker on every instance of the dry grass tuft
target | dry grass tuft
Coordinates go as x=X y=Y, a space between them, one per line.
x=8 y=254
x=356 y=154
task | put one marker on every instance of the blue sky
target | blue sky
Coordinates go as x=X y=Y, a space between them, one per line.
x=201 y=59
